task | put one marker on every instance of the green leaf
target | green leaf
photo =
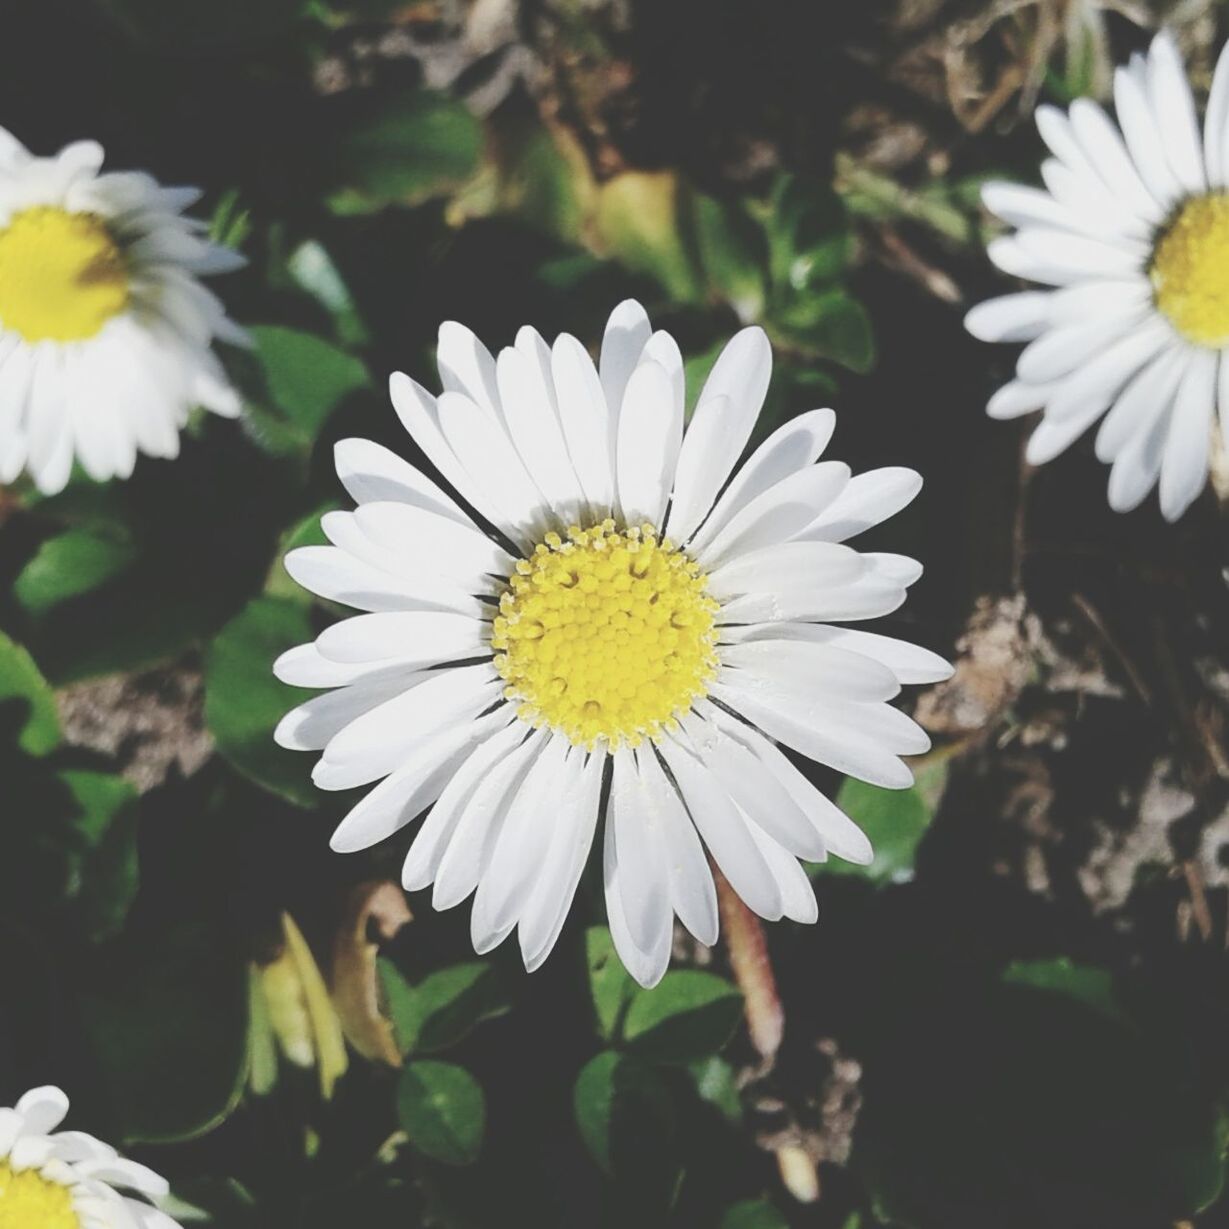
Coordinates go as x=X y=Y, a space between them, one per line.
x=830 y=325
x=414 y=147
x=610 y=984
x=754 y=1214
x=313 y=270
x=23 y=686
x=169 y=1030
x=689 y=1015
x=104 y=867
x=639 y=221
x=732 y=252
x=894 y=821
x=307 y=377
x=624 y=1116
x=441 y=1009
x=244 y=702
x=68 y=565
x=442 y=1110
x=808 y=234
x=307 y=532
x=1083 y=983
x=715 y=1085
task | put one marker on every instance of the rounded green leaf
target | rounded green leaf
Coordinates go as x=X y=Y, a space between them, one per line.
x=442 y=1008
x=70 y=564
x=689 y=1015
x=754 y=1214
x=24 y=690
x=610 y=984
x=244 y=702
x=626 y=1119
x=442 y=1110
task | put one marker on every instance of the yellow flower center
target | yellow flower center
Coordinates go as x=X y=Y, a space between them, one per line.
x=1190 y=270
x=606 y=635
x=30 y=1201
x=62 y=276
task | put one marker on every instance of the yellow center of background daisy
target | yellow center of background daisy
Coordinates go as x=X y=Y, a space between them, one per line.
x=1190 y=270
x=605 y=635
x=62 y=276
x=30 y=1201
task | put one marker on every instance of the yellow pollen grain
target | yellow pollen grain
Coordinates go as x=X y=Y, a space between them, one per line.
x=606 y=635
x=30 y=1201
x=62 y=275
x=1190 y=270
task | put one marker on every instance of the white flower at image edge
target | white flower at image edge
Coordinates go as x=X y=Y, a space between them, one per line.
x=617 y=623
x=1131 y=231
x=105 y=329
x=53 y=1179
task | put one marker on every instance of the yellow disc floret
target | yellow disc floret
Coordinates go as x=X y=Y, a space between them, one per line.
x=62 y=275
x=30 y=1201
x=1190 y=270
x=605 y=635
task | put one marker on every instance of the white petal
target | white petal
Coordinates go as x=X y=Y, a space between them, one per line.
x=1148 y=393
x=779 y=514
x=305 y=666
x=1174 y=108
x=798 y=901
x=641 y=882
x=521 y=844
x=1144 y=139
x=1011 y=317
x=481 y=815
x=410 y=790
x=590 y=425
x=533 y=422
x=377 y=742
x=432 y=841
x=692 y=894
x=466 y=366
x=755 y=790
x=1019 y=397
x=810 y=726
x=43 y=1109
x=784 y=567
x=868 y=499
x=548 y=906
x=338 y=576
x=312 y=725
x=1138 y=466
x=729 y=404
x=1184 y=470
x=815 y=664
x=724 y=831
x=1216 y=124
x=370 y=473
x=416 y=637
x=433 y=543
x=840 y=834
x=646 y=966
x=908 y=662
x=627 y=333
x=650 y=433
x=1079 y=256
x=788 y=449
x=1104 y=148
x=1061 y=350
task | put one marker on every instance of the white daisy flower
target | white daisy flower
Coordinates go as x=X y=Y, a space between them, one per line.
x=53 y=1179
x=1131 y=236
x=601 y=622
x=105 y=329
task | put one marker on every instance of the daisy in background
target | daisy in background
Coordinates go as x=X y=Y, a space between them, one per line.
x=105 y=329
x=53 y=1179
x=1131 y=236
x=602 y=621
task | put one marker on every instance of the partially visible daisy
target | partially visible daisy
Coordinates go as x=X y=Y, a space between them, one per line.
x=1132 y=233
x=604 y=619
x=105 y=328
x=53 y=1179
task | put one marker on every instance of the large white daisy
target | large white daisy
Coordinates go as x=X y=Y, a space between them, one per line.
x=1131 y=232
x=105 y=329
x=53 y=1179
x=599 y=621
